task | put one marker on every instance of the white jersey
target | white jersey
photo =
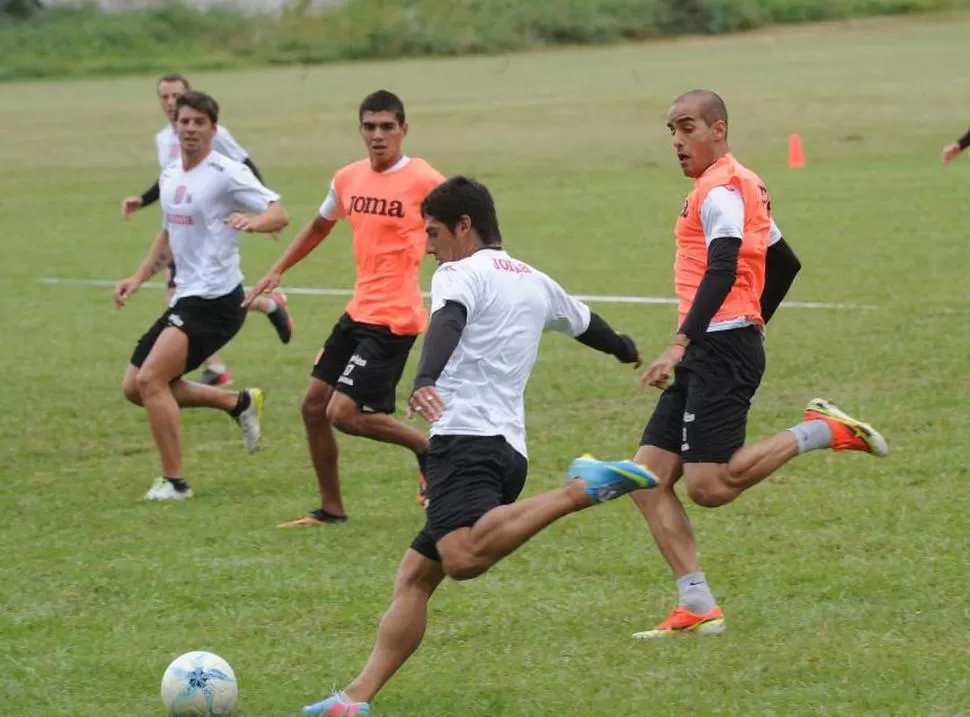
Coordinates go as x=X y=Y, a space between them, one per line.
x=195 y=205
x=167 y=145
x=509 y=305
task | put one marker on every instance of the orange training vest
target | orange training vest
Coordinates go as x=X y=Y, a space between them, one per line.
x=743 y=304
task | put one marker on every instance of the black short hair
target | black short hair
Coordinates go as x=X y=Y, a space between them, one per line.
x=382 y=101
x=461 y=196
x=200 y=102
x=173 y=77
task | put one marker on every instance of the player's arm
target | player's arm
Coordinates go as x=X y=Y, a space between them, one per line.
x=781 y=268
x=440 y=342
x=130 y=205
x=159 y=255
x=955 y=148
x=251 y=195
x=572 y=317
x=305 y=242
x=454 y=297
x=723 y=218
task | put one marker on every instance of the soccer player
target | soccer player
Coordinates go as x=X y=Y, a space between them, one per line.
x=203 y=195
x=489 y=311
x=732 y=270
x=952 y=150
x=168 y=88
x=355 y=375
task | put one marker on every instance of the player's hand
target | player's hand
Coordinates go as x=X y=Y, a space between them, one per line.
x=264 y=286
x=427 y=403
x=660 y=371
x=950 y=152
x=630 y=352
x=130 y=205
x=241 y=222
x=124 y=290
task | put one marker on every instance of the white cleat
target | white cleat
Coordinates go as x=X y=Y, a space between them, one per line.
x=164 y=490
x=248 y=420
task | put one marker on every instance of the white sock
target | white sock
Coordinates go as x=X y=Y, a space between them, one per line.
x=273 y=306
x=216 y=368
x=695 y=595
x=812 y=435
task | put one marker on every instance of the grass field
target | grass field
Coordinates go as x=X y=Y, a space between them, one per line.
x=842 y=577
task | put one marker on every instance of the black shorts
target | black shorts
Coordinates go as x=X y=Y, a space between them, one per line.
x=365 y=362
x=467 y=477
x=171 y=275
x=703 y=415
x=209 y=324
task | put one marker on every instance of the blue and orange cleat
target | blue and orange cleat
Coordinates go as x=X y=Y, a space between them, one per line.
x=606 y=480
x=338 y=705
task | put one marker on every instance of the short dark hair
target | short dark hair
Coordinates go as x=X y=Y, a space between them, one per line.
x=461 y=196
x=382 y=101
x=712 y=106
x=200 y=102
x=173 y=77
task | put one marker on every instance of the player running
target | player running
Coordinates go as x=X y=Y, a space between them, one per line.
x=202 y=196
x=355 y=375
x=732 y=269
x=169 y=87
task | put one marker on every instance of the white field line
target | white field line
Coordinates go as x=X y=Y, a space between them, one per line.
x=321 y=291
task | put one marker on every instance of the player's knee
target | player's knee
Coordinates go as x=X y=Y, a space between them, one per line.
x=343 y=414
x=463 y=567
x=129 y=387
x=313 y=407
x=148 y=382
x=708 y=492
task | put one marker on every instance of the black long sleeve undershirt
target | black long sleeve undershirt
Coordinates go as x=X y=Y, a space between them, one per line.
x=964 y=141
x=150 y=195
x=600 y=335
x=444 y=333
x=781 y=268
x=722 y=270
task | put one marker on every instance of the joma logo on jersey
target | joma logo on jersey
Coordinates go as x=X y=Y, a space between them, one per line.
x=374 y=205
x=512 y=266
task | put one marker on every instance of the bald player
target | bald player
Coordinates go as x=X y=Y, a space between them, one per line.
x=732 y=270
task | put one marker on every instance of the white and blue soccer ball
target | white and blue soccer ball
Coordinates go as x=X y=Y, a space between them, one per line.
x=199 y=684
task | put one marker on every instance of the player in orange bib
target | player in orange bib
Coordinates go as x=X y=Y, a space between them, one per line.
x=732 y=269
x=355 y=377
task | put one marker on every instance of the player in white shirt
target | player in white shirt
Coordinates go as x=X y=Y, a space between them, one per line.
x=204 y=196
x=169 y=87
x=489 y=311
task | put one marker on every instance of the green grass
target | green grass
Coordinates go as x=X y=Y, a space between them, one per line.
x=76 y=42
x=842 y=577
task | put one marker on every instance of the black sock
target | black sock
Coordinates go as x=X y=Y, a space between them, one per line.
x=242 y=403
x=180 y=485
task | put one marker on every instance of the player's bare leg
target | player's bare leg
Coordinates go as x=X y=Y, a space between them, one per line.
x=402 y=626
x=324 y=455
x=344 y=414
x=466 y=553
x=824 y=426
x=165 y=362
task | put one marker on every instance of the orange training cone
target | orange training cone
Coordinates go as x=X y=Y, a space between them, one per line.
x=796 y=153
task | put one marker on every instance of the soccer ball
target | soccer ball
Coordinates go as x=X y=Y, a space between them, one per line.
x=199 y=684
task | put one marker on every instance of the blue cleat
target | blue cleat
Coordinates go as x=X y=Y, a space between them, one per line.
x=606 y=480
x=338 y=705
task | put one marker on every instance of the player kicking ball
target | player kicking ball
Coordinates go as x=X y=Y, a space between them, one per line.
x=489 y=312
